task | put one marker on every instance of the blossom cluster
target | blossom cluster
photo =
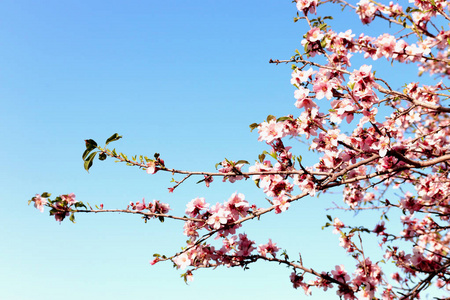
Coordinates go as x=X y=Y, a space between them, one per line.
x=369 y=138
x=223 y=220
x=220 y=217
x=416 y=131
x=60 y=207
x=155 y=207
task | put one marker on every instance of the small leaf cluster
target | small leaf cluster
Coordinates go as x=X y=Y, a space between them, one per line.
x=88 y=156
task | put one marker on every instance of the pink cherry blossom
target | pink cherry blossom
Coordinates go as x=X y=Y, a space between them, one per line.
x=219 y=217
x=70 y=198
x=337 y=226
x=314 y=35
x=366 y=11
x=299 y=76
x=269 y=248
x=231 y=167
x=324 y=88
x=140 y=205
x=307 y=5
x=39 y=202
x=182 y=261
x=302 y=99
x=208 y=180
x=151 y=167
x=189 y=277
x=244 y=245
x=194 y=207
x=270 y=131
x=340 y=274
x=158 y=207
x=237 y=206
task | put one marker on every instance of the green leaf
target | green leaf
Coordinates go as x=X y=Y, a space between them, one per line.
x=242 y=162
x=274 y=155
x=102 y=156
x=329 y=218
x=72 y=218
x=253 y=126
x=113 y=138
x=80 y=204
x=306 y=47
x=88 y=162
x=46 y=195
x=270 y=117
x=90 y=145
x=283 y=119
x=86 y=153
x=261 y=157
x=161 y=219
x=256 y=182
x=326 y=225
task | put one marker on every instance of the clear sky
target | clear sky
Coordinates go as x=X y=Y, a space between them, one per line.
x=182 y=78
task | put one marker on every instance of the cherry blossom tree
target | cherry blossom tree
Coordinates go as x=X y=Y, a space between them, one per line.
x=370 y=137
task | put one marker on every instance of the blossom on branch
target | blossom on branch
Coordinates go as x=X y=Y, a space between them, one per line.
x=391 y=158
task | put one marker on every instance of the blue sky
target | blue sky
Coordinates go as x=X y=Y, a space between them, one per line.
x=184 y=79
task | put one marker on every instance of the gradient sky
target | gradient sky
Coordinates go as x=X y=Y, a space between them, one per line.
x=182 y=78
